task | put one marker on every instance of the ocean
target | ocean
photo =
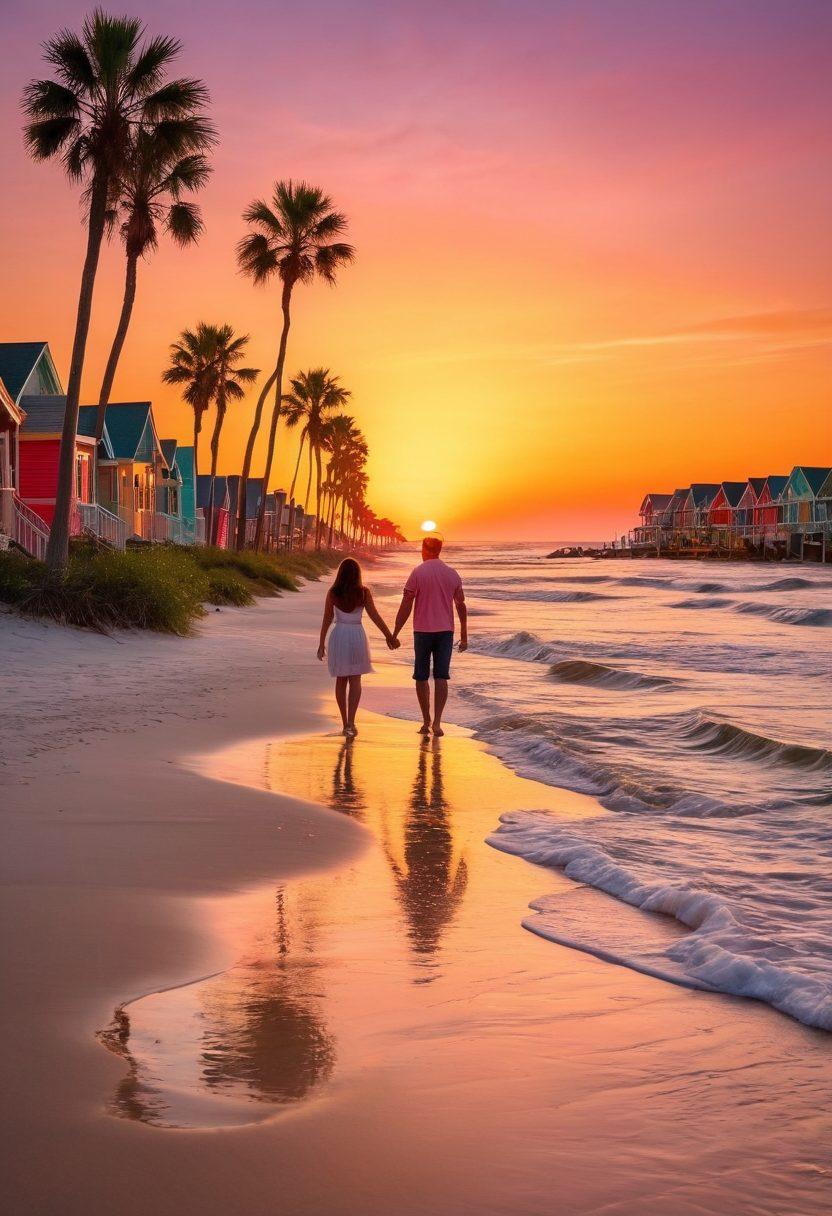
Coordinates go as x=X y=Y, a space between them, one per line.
x=692 y=699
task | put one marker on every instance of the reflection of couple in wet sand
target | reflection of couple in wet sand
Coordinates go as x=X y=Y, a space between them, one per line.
x=429 y=886
x=431 y=593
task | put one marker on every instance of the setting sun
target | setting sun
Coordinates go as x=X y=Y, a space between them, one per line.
x=429 y=526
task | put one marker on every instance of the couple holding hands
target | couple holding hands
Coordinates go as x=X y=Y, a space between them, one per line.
x=431 y=592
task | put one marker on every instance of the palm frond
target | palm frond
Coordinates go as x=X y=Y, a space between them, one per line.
x=67 y=53
x=256 y=257
x=45 y=138
x=148 y=70
x=184 y=223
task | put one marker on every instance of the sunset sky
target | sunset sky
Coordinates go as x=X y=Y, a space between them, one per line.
x=594 y=241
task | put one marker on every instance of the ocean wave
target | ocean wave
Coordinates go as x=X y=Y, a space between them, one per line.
x=548 y=595
x=727 y=739
x=780 y=613
x=710 y=602
x=582 y=671
x=784 y=615
x=720 y=953
x=789 y=584
x=525 y=646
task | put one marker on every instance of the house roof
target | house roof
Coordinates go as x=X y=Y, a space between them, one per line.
x=703 y=493
x=169 y=447
x=203 y=490
x=87 y=421
x=756 y=484
x=17 y=362
x=45 y=416
x=658 y=501
x=127 y=422
x=776 y=483
x=733 y=491
x=254 y=488
x=814 y=474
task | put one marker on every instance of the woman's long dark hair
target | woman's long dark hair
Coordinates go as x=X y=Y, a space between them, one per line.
x=348 y=589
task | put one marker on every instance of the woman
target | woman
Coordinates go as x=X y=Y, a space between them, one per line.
x=349 y=650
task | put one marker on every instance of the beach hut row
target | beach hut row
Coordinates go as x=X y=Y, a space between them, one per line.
x=129 y=485
x=789 y=513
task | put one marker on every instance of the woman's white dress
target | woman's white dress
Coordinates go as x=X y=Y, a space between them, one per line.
x=347 y=648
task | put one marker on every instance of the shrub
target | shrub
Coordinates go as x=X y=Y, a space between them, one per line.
x=155 y=588
x=225 y=587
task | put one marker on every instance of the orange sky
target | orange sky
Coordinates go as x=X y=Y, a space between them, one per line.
x=594 y=251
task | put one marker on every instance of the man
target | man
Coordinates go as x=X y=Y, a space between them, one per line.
x=433 y=589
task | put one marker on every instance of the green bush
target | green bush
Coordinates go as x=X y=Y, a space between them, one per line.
x=225 y=587
x=154 y=588
x=160 y=587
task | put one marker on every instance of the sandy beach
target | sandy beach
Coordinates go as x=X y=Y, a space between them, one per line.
x=324 y=1000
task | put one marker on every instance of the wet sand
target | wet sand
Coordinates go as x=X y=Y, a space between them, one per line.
x=379 y=1035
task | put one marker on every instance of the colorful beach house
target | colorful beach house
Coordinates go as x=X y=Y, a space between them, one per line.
x=748 y=501
x=11 y=419
x=823 y=506
x=192 y=524
x=131 y=480
x=218 y=517
x=652 y=507
x=40 y=445
x=800 y=494
x=767 y=508
x=694 y=513
x=723 y=509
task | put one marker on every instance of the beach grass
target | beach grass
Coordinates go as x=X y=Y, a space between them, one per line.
x=160 y=587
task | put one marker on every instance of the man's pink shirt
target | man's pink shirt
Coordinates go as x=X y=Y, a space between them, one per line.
x=434 y=586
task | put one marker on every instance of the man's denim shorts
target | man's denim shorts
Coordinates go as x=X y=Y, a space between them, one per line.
x=437 y=646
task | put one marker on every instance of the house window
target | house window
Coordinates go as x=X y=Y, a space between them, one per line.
x=83 y=486
x=173 y=500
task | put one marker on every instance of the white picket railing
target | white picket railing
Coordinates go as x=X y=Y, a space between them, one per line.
x=29 y=530
x=102 y=523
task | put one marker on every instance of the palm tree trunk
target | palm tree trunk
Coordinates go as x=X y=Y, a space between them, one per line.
x=343 y=513
x=297 y=465
x=244 y=476
x=118 y=343
x=308 y=480
x=57 y=550
x=278 y=402
x=317 y=497
x=215 y=451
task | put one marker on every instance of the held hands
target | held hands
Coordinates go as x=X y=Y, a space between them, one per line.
x=393 y=642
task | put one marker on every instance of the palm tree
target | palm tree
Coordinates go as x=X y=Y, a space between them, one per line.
x=294 y=238
x=151 y=197
x=348 y=454
x=315 y=395
x=229 y=379
x=193 y=363
x=108 y=84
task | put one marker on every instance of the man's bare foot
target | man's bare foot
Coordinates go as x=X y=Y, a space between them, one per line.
x=437 y=729
x=424 y=729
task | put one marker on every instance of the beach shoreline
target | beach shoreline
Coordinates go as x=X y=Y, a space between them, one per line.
x=108 y=897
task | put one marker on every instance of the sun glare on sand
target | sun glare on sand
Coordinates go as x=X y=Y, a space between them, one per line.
x=429 y=526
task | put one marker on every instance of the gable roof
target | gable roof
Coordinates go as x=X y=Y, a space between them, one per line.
x=814 y=476
x=776 y=483
x=169 y=447
x=657 y=501
x=87 y=422
x=17 y=362
x=127 y=422
x=732 y=491
x=703 y=493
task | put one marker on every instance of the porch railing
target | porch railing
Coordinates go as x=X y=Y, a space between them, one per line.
x=29 y=530
x=102 y=523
